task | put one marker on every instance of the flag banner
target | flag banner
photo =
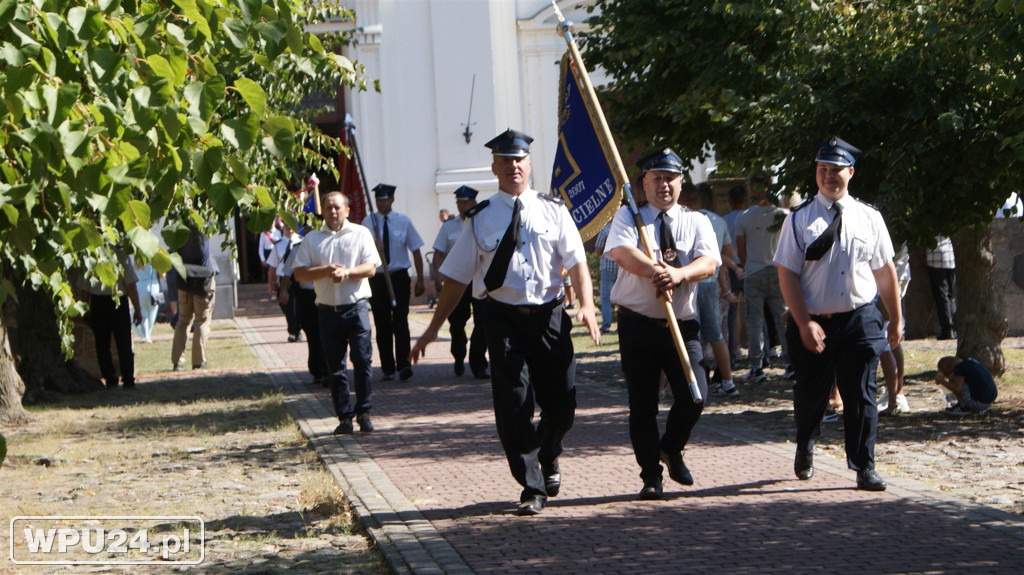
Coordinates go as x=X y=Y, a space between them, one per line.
x=582 y=174
x=350 y=184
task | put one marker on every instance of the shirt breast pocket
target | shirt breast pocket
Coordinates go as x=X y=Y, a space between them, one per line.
x=863 y=248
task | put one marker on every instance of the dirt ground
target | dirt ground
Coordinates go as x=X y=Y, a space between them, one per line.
x=221 y=447
x=979 y=458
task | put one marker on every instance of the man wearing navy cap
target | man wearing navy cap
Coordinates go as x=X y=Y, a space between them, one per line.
x=515 y=246
x=465 y=200
x=397 y=238
x=834 y=257
x=687 y=251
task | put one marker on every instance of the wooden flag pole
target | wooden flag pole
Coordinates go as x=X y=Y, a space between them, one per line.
x=591 y=95
x=350 y=128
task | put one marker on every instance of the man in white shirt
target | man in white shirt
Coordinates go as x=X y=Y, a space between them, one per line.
x=339 y=259
x=397 y=238
x=834 y=258
x=451 y=229
x=687 y=252
x=513 y=251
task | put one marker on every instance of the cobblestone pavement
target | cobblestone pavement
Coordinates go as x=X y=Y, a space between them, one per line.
x=434 y=490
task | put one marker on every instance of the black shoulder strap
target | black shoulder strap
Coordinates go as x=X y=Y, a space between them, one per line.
x=802 y=205
x=552 y=199
x=477 y=208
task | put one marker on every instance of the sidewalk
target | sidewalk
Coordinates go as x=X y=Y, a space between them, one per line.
x=433 y=488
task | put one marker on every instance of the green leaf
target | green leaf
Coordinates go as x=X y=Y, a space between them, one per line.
x=280 y=135
x=145 y=241
x=12 y=214
x=161 y=260
x=237 y=33
x=262 y=219
x=241 y=132
x=239 y=170
x=253 y=95
x=192 y=12
x=106 y=272
x=224 y=197
x=86 y=23
x=174 y=235
x=136 y=215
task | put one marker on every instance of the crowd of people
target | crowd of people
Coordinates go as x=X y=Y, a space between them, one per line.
x=821 y=281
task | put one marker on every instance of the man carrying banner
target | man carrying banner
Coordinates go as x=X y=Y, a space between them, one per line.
x=687 y=253
x=513 y=251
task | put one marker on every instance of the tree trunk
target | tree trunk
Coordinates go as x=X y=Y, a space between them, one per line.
x=12 y=388
x=981 y=324
x=41 y=359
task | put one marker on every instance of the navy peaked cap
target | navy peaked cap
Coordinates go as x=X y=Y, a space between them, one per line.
x=835 y=151
x=384 y=191
x=663 y=159
x=465 y=193
x=510 y=143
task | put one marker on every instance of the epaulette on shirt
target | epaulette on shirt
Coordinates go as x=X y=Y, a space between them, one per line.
x=803 y=205
x=642 y=204
x=476 y=209
x=551 y=199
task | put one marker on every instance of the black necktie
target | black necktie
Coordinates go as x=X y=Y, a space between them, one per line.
x=503 y=256
x=667 y=243
x=387 y=242
x=823 y=244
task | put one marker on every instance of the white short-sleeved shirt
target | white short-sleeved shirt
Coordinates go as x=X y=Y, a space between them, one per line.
x=760 y=242
x=549 y=242
x=694 y=238
x=842 y=280
x=721 y=236
x=404 y=238
x=284 y=263
x=448 y=234
x=350 y=246
x=267 y=241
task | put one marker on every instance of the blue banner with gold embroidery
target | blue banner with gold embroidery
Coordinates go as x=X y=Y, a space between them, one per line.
x=582 y=174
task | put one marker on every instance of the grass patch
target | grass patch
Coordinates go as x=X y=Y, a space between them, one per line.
x=216 y=444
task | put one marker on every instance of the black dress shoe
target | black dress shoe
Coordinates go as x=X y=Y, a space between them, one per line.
x=482 y=374
x=532 y=505
x=388 y=376
x=869 y=480
x=365 y=424
x=344 y=428
x=405 y=373
x=460 y=368
x=677 y=470
x=652 y=490
x=552 y=483
x=803 y=465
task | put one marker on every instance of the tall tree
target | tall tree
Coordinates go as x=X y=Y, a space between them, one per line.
x=119 y=112
x=930 y=90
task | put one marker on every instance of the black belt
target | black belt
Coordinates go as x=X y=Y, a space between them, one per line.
x=838 y=315
x=343 y=307
x=625 y=311
x=526 y=309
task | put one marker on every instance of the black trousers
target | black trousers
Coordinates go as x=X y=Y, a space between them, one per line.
x=291 y=315
x=532 y=364
x=647 y=350
x=943 y=283
x=392 y=324
x=853 y=342
x=309 y=319
x=457 y=327
x=107 y=318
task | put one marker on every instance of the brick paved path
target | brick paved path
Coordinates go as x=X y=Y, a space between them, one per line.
x=433 y=488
